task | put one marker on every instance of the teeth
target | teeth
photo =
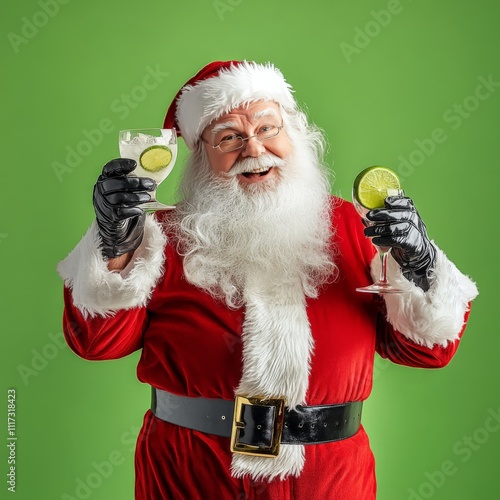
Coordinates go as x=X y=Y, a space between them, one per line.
x=259 y=170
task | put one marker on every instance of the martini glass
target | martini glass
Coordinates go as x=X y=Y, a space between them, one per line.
x=155 y=152
x=384 y=187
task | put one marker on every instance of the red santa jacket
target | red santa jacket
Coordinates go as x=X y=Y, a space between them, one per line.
x=191 y=345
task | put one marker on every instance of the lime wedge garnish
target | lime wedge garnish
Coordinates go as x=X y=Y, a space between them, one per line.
x=155 y=158
x=373 y=185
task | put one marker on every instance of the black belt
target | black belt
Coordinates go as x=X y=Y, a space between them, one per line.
x=258 y=426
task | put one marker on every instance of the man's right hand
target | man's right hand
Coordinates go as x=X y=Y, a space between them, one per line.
x=116 y=196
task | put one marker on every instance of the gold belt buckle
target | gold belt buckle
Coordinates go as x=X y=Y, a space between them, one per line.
x=246 y=449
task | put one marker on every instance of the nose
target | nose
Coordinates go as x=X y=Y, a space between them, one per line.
x=252 y=147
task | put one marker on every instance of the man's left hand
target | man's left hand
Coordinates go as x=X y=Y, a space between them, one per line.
x=399 y=227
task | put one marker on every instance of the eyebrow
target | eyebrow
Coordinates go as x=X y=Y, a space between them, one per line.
x=265 y=112
x=223 y=126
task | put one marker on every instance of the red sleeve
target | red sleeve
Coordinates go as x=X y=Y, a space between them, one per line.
x=394 y=346
x=100 y=338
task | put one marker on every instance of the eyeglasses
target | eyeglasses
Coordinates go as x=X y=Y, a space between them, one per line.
x=233 y=142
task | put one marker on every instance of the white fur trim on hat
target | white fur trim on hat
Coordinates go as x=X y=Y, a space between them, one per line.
x=98 y=291
x=206 y=101
x=430 y=318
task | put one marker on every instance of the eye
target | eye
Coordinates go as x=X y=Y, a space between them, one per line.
x=267 y=128
x=230 y=137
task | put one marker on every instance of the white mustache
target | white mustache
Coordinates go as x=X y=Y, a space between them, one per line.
x=250 y=164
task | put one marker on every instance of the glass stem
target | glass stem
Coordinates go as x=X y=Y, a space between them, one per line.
x=383 y=266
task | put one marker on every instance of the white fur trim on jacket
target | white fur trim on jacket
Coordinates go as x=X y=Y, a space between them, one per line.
x=277 y=346
x=430 y=318
x=98 y=291
x=206 y=101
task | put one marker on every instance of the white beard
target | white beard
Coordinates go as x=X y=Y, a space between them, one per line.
x=265 y=246
x=271 y=232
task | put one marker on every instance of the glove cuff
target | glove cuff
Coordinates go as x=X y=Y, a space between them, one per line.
x=420 y=271
x=126 y=237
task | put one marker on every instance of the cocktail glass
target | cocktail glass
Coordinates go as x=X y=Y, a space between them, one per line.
x=382 y=191
x=155 y=152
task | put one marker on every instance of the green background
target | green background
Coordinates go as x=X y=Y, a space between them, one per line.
x=379 y=77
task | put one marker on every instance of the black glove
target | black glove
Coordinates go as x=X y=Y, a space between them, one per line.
x=399 y=227
x=116 y=196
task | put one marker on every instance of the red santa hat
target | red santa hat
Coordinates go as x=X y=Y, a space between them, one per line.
x=218 y=88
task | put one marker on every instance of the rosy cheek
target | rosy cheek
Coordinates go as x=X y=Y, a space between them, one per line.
x=279 y=151
x=221 y=166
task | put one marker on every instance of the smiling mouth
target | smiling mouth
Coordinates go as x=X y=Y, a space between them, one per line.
x=258 y=172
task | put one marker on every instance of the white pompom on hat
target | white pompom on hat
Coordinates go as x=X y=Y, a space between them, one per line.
x=221 y=86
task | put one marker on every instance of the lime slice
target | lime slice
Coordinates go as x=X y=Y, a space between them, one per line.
x=155 y=158
x=373 y=184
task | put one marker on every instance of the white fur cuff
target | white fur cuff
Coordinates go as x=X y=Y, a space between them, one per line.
x=432 y=317
x=98 y=291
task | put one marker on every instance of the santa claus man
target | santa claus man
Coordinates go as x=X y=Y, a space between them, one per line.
x=258 y=348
